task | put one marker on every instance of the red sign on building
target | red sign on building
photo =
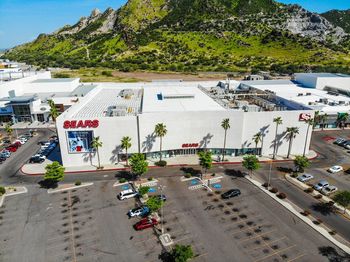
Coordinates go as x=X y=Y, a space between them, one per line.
x=81 y=124
x=304 y=117
x=193 y=145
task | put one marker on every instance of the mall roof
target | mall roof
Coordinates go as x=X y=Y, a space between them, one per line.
x=322 y=75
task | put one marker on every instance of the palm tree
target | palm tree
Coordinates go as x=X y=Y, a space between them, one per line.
x=53 y=110
x=257 y=138
x=309 y=122
x=9 y=130
x=324 y=118
x=126 y=144
x=160 y=131
x=317 y=118
x=291 y=133
x=278 y=121
x=96 y=144
x=342 y=118
x=225 y=124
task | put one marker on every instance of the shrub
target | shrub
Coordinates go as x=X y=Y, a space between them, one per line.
x=309 y=190
x=319 y=196
x=213 y=174
x=77 y=183
x=295 y=175
x=330 y=203
x=265 y=184
x=317 y=221
x=274 y=190
x=2 y=190
x=306 y=213
x=122 y=180
x=150 y=178
x=188 y=175
x=333 y=232
x=282 y=195
x=161 y=163
x=143 y=190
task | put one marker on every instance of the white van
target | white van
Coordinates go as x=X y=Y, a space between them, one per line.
x=126 y=194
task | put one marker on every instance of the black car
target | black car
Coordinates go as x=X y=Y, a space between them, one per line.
x=161 y=197
x=6 y=141
x=231 y=193
x=2 y=159
x=36 y=159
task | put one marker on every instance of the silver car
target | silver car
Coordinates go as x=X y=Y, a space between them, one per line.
x=305 y=177
x=320 y=185
x=329 y=190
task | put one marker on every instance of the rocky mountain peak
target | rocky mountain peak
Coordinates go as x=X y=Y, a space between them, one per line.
x=95 y=13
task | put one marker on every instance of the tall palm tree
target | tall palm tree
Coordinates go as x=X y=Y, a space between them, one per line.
x=291 y=133
x=225 y=124
x=96 y=143
x=278 y=121
x=126 y=144
x=324 y=118
x=317 y=119
x=160 y=131
x=257 y=138
x=53 y=110
x=309 y=122
x=342 y=118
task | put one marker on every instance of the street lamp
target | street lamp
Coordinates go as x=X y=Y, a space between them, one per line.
x=269 y=177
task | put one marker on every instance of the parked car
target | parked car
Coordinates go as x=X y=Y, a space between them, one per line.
x=305 y=177
x=5 y=153
x=139 y=211
x=329 y=190
x=335 y=169
x=343 y=142
x=321 y=184
x=145 y=223
x=11 y=148
x=41 y=143
x=39 y=155
x=6 y=141
x=36 y=159
x=339 y=140
x=347 y=146
x=161 y=197
x=16 y=144
x=126 y=194
x=231 y=193
x=20 y=141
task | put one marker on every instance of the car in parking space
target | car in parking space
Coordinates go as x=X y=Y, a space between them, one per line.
x=321 y=184
x=20 y=141
x=6 y=141
x=231 y=193
x=161 y=197
x=36 y=160
x=343 y=142
x=5 y=153
x=339 y=140
x=305 y=177
x=139 y=211
x=39 y=155
x=126 y=194
x=2 y=159
x=41 y=143
x=335 y=169
x=329 y=190
x=17 y=144
x=146 y=223
x=11 y=148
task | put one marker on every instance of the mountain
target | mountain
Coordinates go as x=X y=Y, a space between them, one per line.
x=339 y=18
x=195 y=35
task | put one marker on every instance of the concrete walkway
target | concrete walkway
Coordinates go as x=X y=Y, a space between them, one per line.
x=28 y=125
x=190 y=160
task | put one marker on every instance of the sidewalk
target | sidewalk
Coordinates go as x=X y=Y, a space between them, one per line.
x=191 y=160
x=28 y=125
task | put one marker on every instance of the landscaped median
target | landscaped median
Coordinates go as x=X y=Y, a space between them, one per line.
x=312 y=222
x=11 y=191
x=325 y=199
x=70 y=186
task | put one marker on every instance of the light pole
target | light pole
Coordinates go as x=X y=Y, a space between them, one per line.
x=269 y=177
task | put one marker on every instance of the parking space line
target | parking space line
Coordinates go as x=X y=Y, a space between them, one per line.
x=267 y=244
x=246 y=229
x=71 y=226
x=259 y=235
x=296 y=258
x=275 y=253
x=141 y=241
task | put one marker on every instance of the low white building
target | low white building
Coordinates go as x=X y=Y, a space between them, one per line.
x=192 y=113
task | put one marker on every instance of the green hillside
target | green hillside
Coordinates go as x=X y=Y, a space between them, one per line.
x=339 y=18
x=187 y=36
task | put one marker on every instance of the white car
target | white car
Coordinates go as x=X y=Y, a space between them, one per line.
x=305 y=177
x=126 y=194
x=320 y=185
x=329 y=190
x=22 y=141
x=335 y=169
x=40 y=156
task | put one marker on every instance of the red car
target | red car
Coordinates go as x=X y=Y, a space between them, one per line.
x=16 y=144
x=11 y=148
x=145 y=223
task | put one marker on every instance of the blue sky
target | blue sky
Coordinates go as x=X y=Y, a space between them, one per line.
x=23 y=20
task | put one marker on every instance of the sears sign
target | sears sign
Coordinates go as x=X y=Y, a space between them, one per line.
x=81 y=124
x=304 y=117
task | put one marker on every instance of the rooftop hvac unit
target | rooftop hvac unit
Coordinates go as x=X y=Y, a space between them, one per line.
x=300 y=94
x=341 y=102
x=308 y=94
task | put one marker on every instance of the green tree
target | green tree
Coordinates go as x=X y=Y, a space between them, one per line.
x=324 y=119
x=138 y=164
x=53 y=110
x=291 y=134
x=9 y=130
x=309 y=122
x=54 y=173
x=143 y=190
x=343 y=199
x=257 y=138
x=278 y=121
x=126 y=144
x=154 y=203
x=300 y=163
x=2 y=190
x=160 y=131
x=96 y=144
x=251 y=163
x=225 y=124
x=182 y=253
x=342 y=118
x=205 y=160
x=317 y=119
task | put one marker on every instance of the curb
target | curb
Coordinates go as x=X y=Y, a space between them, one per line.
x=175 y=165
x=2 y=198
x=68 y=188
